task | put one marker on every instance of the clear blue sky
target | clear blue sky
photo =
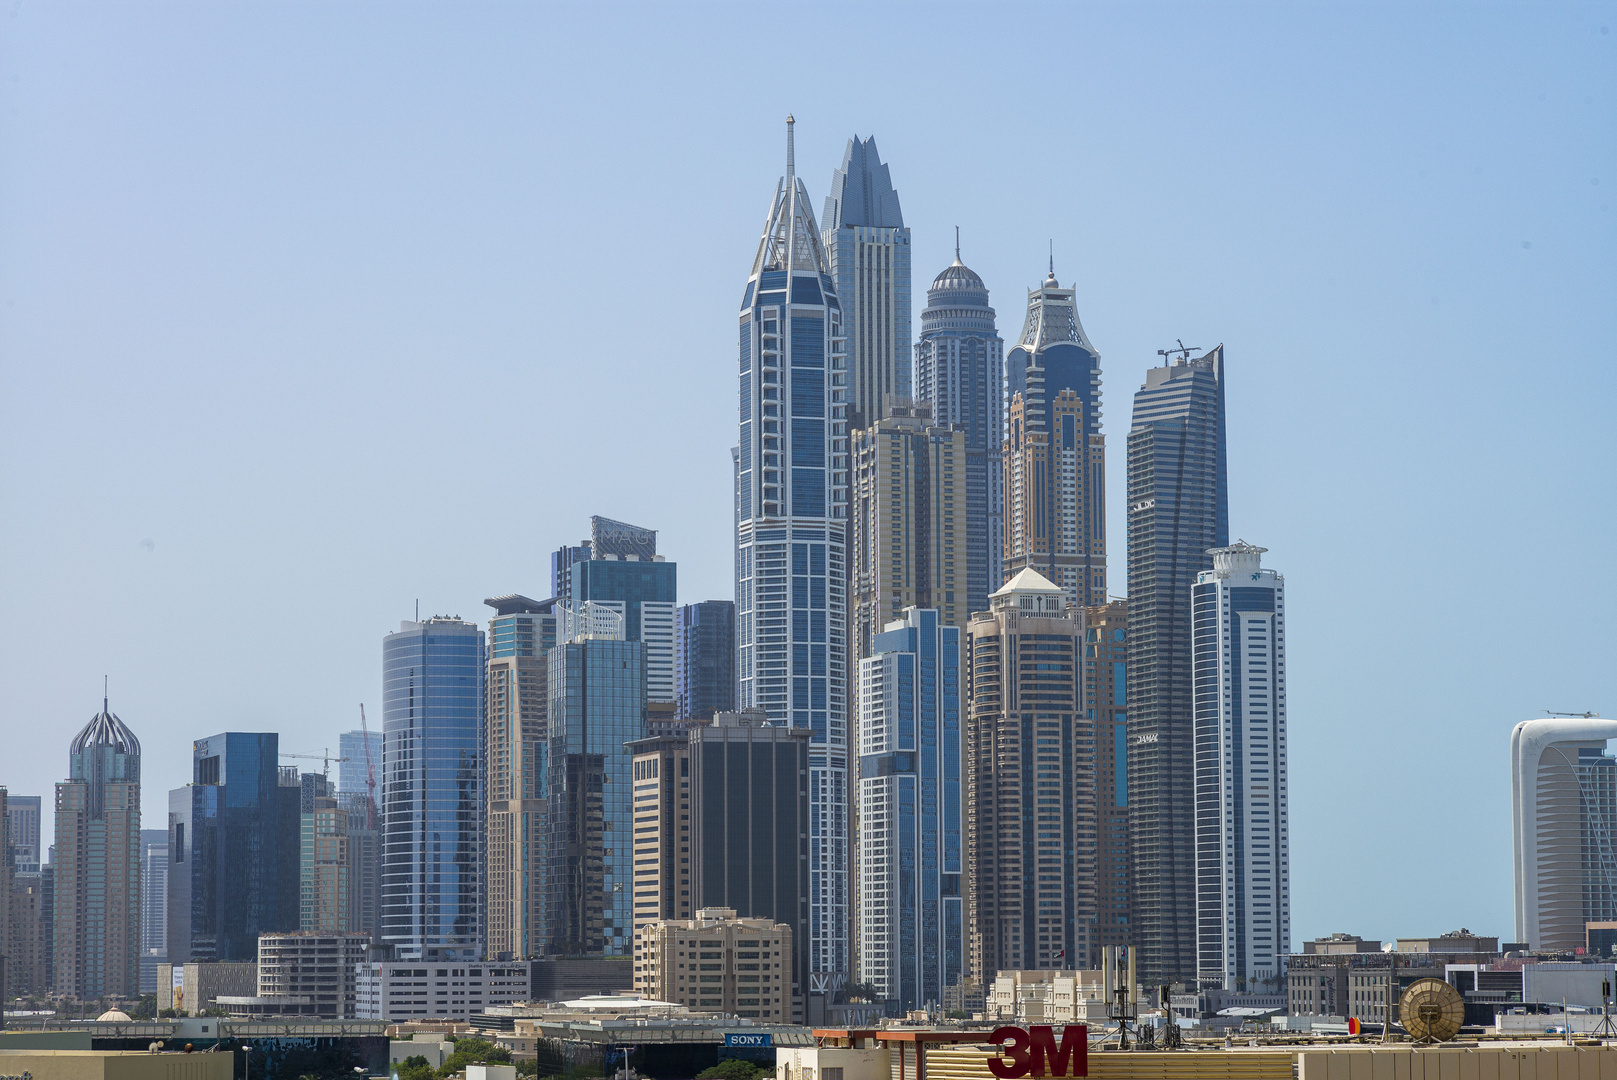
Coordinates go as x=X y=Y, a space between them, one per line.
x=308 y=311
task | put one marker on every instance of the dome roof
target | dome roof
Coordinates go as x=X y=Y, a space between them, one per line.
x=105 y=729
x=115 y=1014
x=957 y=275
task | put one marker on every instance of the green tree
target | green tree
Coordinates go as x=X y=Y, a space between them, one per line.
x=730 y=1069
x=473 y=1052
x=415 y=1067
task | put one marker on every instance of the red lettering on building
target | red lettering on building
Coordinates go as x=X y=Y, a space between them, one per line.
x=1029 y=1050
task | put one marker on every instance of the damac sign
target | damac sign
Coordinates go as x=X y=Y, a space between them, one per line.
x=1028 y=1051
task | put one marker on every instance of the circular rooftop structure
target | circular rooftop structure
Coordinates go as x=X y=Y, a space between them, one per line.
x=957 y=275
x=105 y=729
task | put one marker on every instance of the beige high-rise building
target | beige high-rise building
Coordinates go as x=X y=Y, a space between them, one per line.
x=519 y=634
x=717 y=962
x=1030 y=775
x=97 y=901
x=662 y=828
x=327 y=878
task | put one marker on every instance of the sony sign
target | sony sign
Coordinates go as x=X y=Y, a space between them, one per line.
x=1028 y=1050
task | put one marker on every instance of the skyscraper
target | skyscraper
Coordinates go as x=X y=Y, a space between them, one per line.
x=1030 y=845
x=705 y=659
x=432 y=790
x=362 y=754
x=1243 y=858
x=791 y=485
x=960 y=372
x=1055 y=459
x=1178 y=509
x=869 y=252
x=233 y=840
x=23 y=813
x=912 y=927
x=521 y=634
x=364 y=864
x=153 y=906
x=326 y=876
x=1106 y=706
x=621 y=569
x=97 y=902
x=1563 y=788
x=596 y=699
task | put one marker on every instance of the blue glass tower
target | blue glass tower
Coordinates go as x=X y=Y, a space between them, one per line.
x=432 y=790
x=791 y=487
x=912 y=920
x=234 y=849
x=619 y=567
x=705 y=659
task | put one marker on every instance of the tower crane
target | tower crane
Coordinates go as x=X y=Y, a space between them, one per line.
x=325 y=757
x=370 y=766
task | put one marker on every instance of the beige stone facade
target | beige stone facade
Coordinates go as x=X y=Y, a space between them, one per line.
x=717 y=962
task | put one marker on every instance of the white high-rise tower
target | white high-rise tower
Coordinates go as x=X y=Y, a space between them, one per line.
x=1243 y=866
x=791 y=489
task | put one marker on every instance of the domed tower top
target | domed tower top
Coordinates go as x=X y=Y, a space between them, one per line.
x=105 y=729
x=104 y=752
x=957 y=299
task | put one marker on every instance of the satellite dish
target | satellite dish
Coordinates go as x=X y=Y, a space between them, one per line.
x=1431 y=1010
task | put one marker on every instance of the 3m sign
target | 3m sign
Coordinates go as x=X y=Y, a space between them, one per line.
x=1026 y=1051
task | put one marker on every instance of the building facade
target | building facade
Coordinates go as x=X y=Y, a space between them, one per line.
x=1178 y=510
x=432 y=790
x=662 y=828
x=319 y=966
x=960 y=372
x=234 y=849
x=326 y=877
x=22 y=811
x=1243 y=860
x=869 y=252
x=912 y=924
x=1030 y=846
x=28 y=935
x=791 y=487
x=1055 y=454
x=596 y=705
x=1563 y=816
x=364 y=864
x=520 y=635
x=398 y=991
x=619 y=567
x=717 y=961
x=361 y=754
x=153 y=906
x=97 y=901
x=705 y=659
x=1106 y=630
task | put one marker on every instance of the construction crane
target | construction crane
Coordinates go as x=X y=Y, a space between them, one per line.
x=1183 y=351
x=370 y=766
x=325 y=757
x=1572 y=715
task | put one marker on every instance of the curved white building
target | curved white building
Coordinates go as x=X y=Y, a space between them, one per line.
x=1563 y=787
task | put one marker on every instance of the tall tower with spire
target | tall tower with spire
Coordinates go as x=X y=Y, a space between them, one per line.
x=791 y=491
x=97 y=909
x=869 y=250
x=960 y=372
x=1055 y=454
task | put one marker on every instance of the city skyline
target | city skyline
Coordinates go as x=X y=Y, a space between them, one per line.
x=1287 y=406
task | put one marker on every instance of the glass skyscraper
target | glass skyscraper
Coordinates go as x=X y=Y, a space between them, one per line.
x=1055 y=462
x=912 y=930
x=869 y=251
x=234 y=868
x=596 y=700
x=620 y=568
x=960 y=371
x=363 y=753
x=1243 y=856
x=791 y=487
x=1178 y=509
x=705 y=659
x=153 y=905
x=432 y=790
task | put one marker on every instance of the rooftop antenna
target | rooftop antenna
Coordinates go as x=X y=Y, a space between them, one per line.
x=418 y=609
x=1183 y=352
x=1052 y=257
x=104 y=697
x=791 y=168
x=957 y=243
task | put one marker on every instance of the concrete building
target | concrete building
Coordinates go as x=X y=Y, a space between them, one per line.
x=1341 y=943
x=399 y=991
x=28 y=937
x=318 y=968
x=1055 y=454
x=1455 y=941
x=235 y=865
x=911 y=812
x=791 y=486
x=521 y=634
x=22 y=811
x=116 y=1064
x=1030 y=846
x=1243 y=809
x=193 y=989
x=705 y=659
x=364 y=863
x=97 y=901
x=1106 y=706
x=596 y=694
x=868 y=248
x=960 y=373
x=153 y=905
x=1563 y=817
x=326 y=875
x=1049 y=996
x=662 y=828
x=1178 y=509
x=432 y=790
x=717 y=961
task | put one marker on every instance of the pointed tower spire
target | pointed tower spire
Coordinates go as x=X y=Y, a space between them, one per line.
x=104 y=696
x=957 y=243
x=791 y=164
x=1052 y=257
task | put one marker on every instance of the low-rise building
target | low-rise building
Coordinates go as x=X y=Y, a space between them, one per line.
x=717 y=961
x=1341 y=943
x=1455 y=941
x=1049 y=996
x=195 y=988
x=305 y=974
x=115 y=1064
x=401 y=990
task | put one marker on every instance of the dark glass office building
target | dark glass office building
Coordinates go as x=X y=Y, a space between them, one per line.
x=596 y=705
x=1178 y=500
x=432 y=790
x=234 y=849
x=705 y=659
